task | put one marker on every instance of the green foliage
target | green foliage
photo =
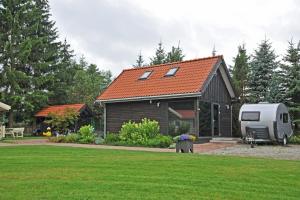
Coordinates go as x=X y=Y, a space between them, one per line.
x=139 y=61
x=145 y=133
x=139 y=133
x=240 y=73
x=262 y=67
x=174 y=55
x=84 y=136
x=86 y=130
x=162 y=141
x=291 y=80
x=62 y=121
x=295 y=139
x=112 y=138
x=160 y=55
x=36 y=69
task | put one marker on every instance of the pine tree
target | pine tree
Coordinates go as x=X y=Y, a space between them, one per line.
x=139 y=61
x=240 y=79
x=262 y=68
x=276 y=90
x=160 y=55
x=240 y=74
x=28 y=55
x=175 y=55
x=291 y=74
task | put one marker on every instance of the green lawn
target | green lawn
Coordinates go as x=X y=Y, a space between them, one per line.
x=42 y=172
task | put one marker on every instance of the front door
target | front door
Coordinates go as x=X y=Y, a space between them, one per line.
x=215 y=120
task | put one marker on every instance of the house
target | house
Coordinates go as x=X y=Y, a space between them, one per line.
x=199 y=91
x=83 y=110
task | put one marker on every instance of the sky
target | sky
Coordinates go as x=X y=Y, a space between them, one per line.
x=111 y=33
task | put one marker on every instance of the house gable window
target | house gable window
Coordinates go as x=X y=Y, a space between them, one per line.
x=145 y=75
x=172 y=71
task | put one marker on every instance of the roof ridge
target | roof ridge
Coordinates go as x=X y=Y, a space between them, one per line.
x=172 y=63
x=65 y=104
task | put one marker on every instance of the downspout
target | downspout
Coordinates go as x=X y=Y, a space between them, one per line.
x=104 y=121
x=231 y=119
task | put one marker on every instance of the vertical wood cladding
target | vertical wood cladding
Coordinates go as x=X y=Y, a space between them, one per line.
x=216 y=92
x=118 y=113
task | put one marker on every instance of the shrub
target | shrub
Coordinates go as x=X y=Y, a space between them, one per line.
x=86 y=130
x=295 y=139
x=58 y=139
x=62 y=121
x=160 y=141
x=72 y=138
x=111 y=138
x=139 y=133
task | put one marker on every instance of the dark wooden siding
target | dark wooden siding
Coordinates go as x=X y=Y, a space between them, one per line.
x=216 y=92
x=118 y=113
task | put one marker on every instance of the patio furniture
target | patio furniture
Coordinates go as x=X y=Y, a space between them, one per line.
x=14 y=132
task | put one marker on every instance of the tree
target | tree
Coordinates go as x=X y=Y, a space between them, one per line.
x=160 y=55
x=28 y=54
x=174 y=55
x=63 y=121
x=88 y=84
x=139 y=61
x=262 y=69
x=240 y=80
x=291 y=74
x=240 y=74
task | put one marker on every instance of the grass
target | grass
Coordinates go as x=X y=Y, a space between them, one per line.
x=10 y=139
x=43 y=172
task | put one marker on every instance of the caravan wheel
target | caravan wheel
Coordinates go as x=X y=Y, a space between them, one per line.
x=284 y=141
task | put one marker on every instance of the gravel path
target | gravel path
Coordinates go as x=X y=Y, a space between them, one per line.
x=291 y=152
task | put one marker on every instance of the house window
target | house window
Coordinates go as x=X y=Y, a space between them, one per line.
x=250 y=116
x=172 y=71
x=145 y=75
x=285 y=118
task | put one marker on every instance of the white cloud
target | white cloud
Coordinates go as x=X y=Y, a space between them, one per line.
x=111 y=33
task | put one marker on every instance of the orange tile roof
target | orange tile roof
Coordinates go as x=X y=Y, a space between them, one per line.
x=58 y=109
x=189 y=78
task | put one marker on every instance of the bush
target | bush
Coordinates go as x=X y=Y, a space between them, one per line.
x=84 y=136
x=86 y=130
x=72 y=138
x=145 y=133
x=139 y=133
x=295 y=139
x=162 y=141
x=59 y=139
x=111 y=138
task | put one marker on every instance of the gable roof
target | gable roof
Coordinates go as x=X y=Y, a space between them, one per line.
x=58 y=109
x=190 y=79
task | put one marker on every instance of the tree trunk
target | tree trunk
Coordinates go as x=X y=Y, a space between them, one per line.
x=10 y=118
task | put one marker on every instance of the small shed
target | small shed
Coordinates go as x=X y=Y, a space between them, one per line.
x=85 y=115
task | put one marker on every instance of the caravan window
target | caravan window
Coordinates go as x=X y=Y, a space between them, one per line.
x=285 y=118
x=250 y=116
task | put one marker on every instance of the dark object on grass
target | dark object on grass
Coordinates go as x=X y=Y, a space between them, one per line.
x=184 y=146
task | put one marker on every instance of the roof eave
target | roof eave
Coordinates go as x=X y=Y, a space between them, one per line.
x=172 y=96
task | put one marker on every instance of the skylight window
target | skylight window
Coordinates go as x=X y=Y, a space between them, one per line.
x=145 y=75
x=172 y=71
